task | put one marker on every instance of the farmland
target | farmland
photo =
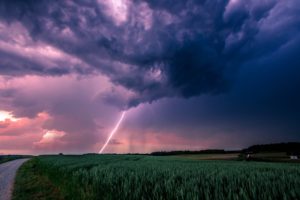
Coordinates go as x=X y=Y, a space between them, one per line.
x=150 y=177
x=230 y=156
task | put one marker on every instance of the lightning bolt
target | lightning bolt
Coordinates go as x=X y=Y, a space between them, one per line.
x=113 y=131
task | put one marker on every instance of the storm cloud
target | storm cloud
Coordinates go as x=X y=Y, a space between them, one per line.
x=154 y=49
x=191 y=74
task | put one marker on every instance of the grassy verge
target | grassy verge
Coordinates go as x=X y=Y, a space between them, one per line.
x=31 y=184
x=7 y=158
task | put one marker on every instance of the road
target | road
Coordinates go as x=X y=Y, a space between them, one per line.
x=7 y=175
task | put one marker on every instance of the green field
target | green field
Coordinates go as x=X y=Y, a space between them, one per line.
x=149 y=177
x=229 y=156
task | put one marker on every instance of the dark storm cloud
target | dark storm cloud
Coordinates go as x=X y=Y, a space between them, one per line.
x=16 y=66
x=155 y=48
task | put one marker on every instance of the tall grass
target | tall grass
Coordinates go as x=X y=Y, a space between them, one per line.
x=146 y=177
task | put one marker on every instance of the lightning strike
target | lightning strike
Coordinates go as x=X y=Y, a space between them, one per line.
x=113 y=132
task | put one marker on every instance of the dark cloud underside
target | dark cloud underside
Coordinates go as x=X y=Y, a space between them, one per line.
x=154 y=48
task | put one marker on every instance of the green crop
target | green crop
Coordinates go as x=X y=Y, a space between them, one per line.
x=147 y=177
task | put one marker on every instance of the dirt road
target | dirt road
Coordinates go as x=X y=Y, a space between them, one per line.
x=7 y=175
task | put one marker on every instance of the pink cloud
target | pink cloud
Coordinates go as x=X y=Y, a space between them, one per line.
x=19 y=136
x=116 y=9
x=68 y=104
x=23 y=126
x=52 y=139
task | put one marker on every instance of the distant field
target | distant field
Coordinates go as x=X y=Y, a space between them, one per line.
x=148 y=177
x=264 y=156
x=273 y=157
x=229 y=156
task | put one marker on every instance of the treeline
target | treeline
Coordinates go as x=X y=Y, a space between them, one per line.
x=207 y=151
x=289 y=148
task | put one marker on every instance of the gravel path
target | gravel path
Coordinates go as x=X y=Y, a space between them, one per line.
x=7 y=175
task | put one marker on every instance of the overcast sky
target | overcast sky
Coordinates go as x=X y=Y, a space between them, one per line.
x=191 y=74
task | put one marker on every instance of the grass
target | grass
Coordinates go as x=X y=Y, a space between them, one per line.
x=147 y=177
x=7 y=158
x=31 y=184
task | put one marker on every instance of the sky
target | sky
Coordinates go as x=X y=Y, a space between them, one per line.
x=190 y=75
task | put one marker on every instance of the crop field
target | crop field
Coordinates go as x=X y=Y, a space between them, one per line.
x=150 y=177
x=230 y=156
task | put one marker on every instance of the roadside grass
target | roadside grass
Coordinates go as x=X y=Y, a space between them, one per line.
x=7 y=158
x=30 y=184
